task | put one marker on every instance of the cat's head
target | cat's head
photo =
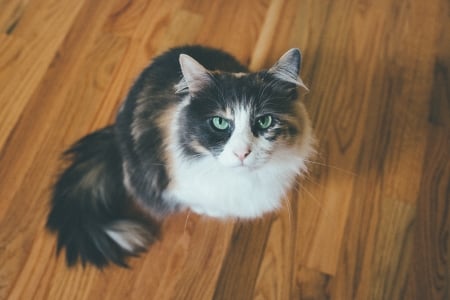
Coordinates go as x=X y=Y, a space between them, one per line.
x=243 y=120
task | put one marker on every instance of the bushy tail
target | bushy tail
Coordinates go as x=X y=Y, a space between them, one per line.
x=90 y=212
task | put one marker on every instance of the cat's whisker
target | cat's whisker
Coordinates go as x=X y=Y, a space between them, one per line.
x=321 y=205
x=306 y=178
x=331 y=166
x=289 y=209
x=186 y=222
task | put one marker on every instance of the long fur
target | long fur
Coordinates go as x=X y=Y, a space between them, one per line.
x=90 y=211
x=163 y=154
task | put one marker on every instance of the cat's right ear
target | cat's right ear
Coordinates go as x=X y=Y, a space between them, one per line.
x=195 y=76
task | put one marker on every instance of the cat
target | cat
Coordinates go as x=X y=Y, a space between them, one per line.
x=197 y=131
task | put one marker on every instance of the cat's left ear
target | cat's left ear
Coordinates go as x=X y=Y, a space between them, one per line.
x=195 y=76
x=287 y=68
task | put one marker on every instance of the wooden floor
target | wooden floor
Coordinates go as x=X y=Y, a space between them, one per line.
x=370 y=221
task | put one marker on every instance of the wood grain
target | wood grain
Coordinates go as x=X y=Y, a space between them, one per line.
x=41 y=26
x=370 y=220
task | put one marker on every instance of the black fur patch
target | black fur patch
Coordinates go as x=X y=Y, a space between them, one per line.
x=261 y=92
x=88 y=196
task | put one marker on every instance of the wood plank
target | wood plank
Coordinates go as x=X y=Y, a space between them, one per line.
x=393 y=161
x=370 y=220
x=240 y=21
x=430 y=272
x=276 y=275
x=43 y=26
x=311 y=284
x=267 y=34
x=241 y=265
x=12 y=12
x=33 y=161
x=54 y=89
x=347 y=73
x=429 y=266
x=138 y=22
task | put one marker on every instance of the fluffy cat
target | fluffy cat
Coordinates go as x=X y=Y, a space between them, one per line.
x=197 y=131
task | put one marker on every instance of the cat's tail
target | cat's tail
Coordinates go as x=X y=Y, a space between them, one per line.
x=90 y=210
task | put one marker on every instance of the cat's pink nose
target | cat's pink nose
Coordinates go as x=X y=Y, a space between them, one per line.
x=242 y=154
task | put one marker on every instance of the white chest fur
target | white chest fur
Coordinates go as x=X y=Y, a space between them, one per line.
x=211 y=189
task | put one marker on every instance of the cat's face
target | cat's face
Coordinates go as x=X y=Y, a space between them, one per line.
x=242 y=120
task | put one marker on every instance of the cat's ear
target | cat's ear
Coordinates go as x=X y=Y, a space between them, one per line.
x=195 y=76
x=287 y=68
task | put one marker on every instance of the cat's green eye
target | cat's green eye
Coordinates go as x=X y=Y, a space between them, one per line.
x=220 y=123
x=265 y=122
